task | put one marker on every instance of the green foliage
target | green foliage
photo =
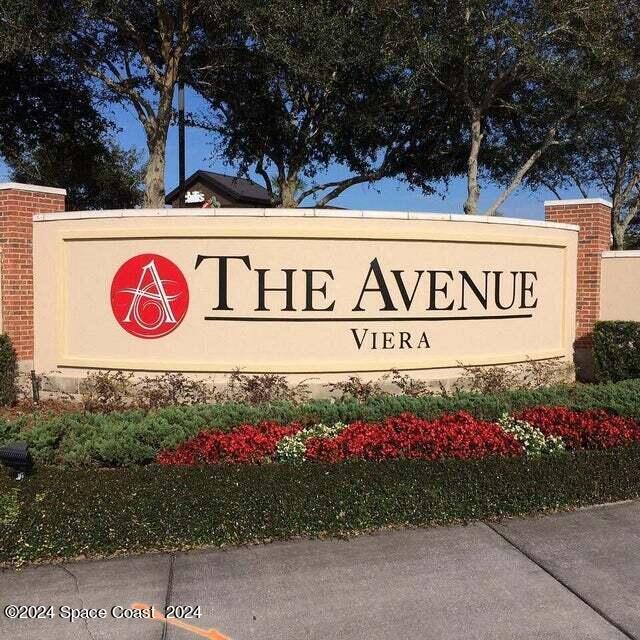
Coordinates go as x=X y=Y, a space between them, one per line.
x=65 y=513
x=52 y=133
x=135 y=436
x=515 y=72
x=601 y=156
x=8 y=372
x=9 y=507
x=131 y=52
x=632 y=238
x=306 y=85
x=29 y=26
x=98 y=174
x=616 y=350
x=420 y=90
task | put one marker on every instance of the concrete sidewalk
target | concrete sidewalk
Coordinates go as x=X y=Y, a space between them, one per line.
x=573 y=575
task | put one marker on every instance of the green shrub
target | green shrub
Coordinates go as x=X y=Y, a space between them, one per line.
x=69 y=512
x=8 y=372
x=135 y=436
x=616 y=350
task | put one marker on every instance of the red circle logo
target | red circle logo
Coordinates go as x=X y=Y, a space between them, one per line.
x=149 y=296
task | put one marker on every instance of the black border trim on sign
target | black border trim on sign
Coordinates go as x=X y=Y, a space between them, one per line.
x=357 y=319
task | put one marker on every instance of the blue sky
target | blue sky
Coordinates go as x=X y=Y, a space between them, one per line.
x=384 y=195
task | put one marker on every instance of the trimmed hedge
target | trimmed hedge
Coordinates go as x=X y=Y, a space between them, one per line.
x=63 y=513
x=616 y=350
x=135 y=437
x=8 y=371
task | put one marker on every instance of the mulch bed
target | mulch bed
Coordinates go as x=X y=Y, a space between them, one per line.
x=48 y=407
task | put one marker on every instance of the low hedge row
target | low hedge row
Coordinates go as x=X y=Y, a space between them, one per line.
x=135 y=437
x=63 y=513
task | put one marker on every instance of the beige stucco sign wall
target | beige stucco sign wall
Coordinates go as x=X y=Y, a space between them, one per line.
x=620 y=283
x=299 y=292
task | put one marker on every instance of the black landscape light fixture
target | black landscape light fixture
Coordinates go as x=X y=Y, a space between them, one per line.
x=17 y=458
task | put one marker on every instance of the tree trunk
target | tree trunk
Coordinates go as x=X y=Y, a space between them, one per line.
x=618 y=234
x=473 y=189
x=154 y=172
x=288 y=188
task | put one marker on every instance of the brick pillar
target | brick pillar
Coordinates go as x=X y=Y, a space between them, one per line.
x=18 y=204
x=593 y=215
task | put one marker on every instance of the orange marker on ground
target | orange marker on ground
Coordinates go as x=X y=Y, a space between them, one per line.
x=212 y=634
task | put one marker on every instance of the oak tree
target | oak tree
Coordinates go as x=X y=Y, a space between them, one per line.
x=311 y=84
x=52 y=133
x=508 y=67
x=602 y=155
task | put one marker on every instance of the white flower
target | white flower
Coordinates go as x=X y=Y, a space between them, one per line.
x=533 y=441
x=293 y=448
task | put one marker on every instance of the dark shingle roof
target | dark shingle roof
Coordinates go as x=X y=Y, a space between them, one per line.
x=239 y=189
x=242 y=190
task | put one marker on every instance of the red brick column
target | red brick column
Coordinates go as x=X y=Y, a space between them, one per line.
x=593 y=215
x=18 y=204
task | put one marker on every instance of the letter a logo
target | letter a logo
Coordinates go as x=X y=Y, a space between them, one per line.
x=149 y=296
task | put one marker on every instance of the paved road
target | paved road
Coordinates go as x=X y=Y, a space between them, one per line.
x=573 y=575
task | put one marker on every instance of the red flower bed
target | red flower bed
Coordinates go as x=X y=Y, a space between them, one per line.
x=594 y=429
x=246 y=444
x=458 y=435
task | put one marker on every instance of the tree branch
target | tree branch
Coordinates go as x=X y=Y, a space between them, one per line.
x=340 y=186
x=632 y=213
x=549 y=139
x=261 y=171
x=551 y=188
x=625 y=193
x=119 y=85
x=319 y=187
x=578 y=183
x=141 y=46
